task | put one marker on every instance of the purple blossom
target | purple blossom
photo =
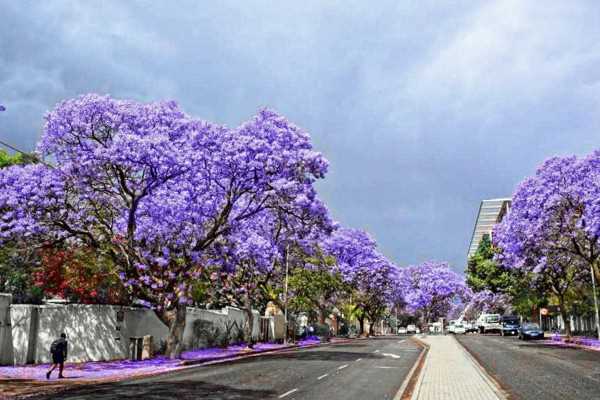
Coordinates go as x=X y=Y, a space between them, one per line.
x=432 y=288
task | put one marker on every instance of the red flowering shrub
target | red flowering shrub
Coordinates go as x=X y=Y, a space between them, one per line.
x=78 y=274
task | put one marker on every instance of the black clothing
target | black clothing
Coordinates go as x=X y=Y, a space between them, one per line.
x=59 y=350
x=58 y=358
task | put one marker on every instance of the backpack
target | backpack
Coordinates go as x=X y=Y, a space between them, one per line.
x=55 y=346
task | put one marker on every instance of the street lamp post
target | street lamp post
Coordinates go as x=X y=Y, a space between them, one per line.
x=285 y=294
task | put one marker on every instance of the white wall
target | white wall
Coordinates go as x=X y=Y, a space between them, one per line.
x=93 y=332
x=20 y=320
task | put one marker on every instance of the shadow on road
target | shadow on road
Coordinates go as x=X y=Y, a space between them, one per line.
x=180 y=390
x=326 y=355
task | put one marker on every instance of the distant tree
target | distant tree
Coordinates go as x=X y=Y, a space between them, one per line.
x=432 y=288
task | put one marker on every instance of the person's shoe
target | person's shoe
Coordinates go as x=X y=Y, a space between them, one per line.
x=61 y=377
x=47 y=375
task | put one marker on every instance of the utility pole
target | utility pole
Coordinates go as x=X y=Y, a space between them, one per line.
x=285 y=294
x=595 y=301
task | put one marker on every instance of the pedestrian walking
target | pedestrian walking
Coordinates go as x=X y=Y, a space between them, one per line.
x=58 y=350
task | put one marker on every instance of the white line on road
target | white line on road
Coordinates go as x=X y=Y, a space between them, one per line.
x=342 y=366
x=287 y=393
x=401 y=341
x=322 y=376
x=358 y=359
x=376 y=351
x=384 y=367
x=391 y=355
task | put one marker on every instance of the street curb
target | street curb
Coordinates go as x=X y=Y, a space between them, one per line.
x=181 y=367
x=490 y=380
x=408 y=385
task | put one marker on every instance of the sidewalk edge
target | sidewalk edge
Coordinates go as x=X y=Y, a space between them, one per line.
x=414 y=375
x=487 y=377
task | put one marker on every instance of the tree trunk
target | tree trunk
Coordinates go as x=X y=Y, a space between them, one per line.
x=176 y=323
x=361 y=321
x=371 y=328
x=322 y=316
x=565 y=315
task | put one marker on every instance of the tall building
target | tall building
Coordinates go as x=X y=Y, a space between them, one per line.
x=490 y=213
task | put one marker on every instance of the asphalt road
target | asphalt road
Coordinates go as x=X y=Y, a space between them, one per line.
x=366 y=369
x=533 y=370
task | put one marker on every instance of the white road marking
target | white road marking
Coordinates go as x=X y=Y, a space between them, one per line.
x=287 y=393
x=401 y=341
x=358 y=359
x=376 y=351
x=385 y=367
x=391 y=355
x=322 y=376
x=342 y=366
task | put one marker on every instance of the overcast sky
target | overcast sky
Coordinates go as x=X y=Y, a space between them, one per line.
x=422 y=108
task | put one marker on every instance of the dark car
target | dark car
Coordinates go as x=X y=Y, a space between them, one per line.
x=510 y=325
x=530 y=331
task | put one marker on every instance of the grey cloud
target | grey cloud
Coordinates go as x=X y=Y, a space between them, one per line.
x=423 y=109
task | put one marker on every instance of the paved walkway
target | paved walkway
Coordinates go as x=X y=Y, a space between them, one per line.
x=449 y=373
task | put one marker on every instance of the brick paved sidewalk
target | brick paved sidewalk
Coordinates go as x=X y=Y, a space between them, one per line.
x=449 y=373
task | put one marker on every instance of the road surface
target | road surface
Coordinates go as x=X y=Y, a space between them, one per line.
x=532 y=371
x=365 y=369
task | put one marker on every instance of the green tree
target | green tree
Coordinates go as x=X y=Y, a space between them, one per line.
x=484 y=273
x=316 y=290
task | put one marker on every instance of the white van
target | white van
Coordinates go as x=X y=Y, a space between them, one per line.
x=489 y=323
x=451 y=325
x=459 y=329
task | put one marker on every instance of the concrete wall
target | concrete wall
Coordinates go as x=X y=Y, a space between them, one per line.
x=220 y=319
x=94 y=332
x=6 y=348
x=20 y=320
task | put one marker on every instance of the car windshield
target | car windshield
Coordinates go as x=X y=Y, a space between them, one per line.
x=511 y=322
x=458 y=326
x=492 y=318
x=531 y=326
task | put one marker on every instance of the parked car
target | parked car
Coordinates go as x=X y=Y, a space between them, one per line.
x=530 y=331
x=510 y=325
x=402 y=330
x=489 y=323
x=411 y=329
x=417 y=330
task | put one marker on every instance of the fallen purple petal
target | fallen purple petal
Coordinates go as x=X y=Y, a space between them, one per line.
x=127 y=368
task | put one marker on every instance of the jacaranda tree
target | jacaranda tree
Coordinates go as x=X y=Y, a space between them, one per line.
x=254 y=256
x=555 y=213
x=552 y=229
x=431 y=288
x=152 y=188
x=372 y=277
